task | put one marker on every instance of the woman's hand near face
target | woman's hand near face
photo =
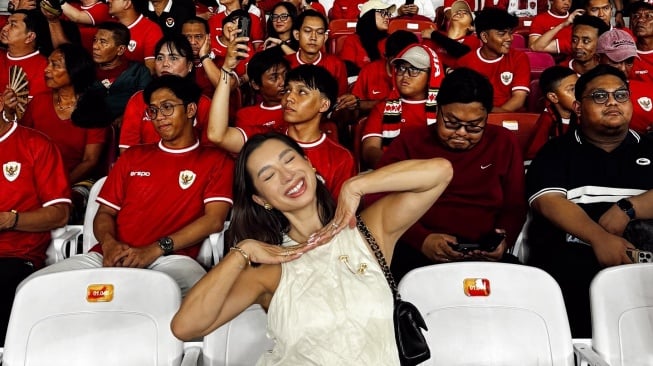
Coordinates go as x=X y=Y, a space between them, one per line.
x=260 y=252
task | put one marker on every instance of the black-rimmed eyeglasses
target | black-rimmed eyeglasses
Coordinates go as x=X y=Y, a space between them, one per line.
x=602 y=96
x=411 y=70
x=166 y=109
x=279 y=17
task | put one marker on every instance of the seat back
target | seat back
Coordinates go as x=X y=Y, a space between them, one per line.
x=338 y=30
x=412 y=25
x=622 y=314
x=518 y=42
x=484 y=313
x=100 y=317
x=539 y=61
x=88 y=237
x=536 y=101
x=521 y=124
x=240 y=342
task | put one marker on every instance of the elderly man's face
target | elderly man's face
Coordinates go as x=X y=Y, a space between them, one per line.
x=608 y=118
x=460 y=125
x=601 y=9
x=641 y=22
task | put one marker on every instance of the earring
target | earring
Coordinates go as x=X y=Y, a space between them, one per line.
x=267 y=206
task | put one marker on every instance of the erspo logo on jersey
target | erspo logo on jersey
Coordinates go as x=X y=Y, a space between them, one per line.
x=139 y=174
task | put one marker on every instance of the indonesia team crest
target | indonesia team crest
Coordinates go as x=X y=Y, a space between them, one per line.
x=186 y=179
x=131 y=46
x=645 y=103
x=170 y=22
x=11 y=170
x=506 y=78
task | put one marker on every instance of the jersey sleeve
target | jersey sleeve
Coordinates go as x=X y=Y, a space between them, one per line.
x=220 y=186
x=154 y=34
x=113 y=192
x=51 y=177
x=130 y=134
x=373 y=126
x=522 y=78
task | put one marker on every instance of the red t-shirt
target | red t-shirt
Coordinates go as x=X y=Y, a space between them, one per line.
x=643 y=66
x=353 y=51
x=478 y=5
x=33 y=177
x=544 y=22
x=345 y=9
x=157 y=191
x=641 y=96
x=98 y=12
x=413 y=114
x=510 y=72
x=332 y=63
x=144 y=36
x=261 y=116
x=70 y=139
x=373 y=82
x=257 y=31
x=137 y=128
x=34 y=66
x=545 y=129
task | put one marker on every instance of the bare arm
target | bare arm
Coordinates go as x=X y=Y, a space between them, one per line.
x=89 y=162
x=41 y=219
x=546 y=42
x=608 y=248
x=371 y=151
x=76 y=15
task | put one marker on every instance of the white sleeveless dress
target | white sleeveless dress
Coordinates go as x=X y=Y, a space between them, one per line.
x=327 y=312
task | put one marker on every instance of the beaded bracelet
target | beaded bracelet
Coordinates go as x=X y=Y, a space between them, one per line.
x=243 y=253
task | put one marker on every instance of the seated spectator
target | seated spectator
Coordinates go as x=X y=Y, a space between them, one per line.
x=418 y=9
x=87 y=14
x=35 y=200
x=170 y=15
x=116 y=78
x=507 y=69
x=557 y=14
x=161 y=200
x=257 y=20
x=20 y=36
x=616 y=48
x=280 y=26
x=459 y=37
x=375 y=80
x=207 y=73
x=585 y=187
x=174 y=56
x=345 y=9
x=641 y=19
x=412 y=102
x=310 y=30
x=303 y=5
x=557 y=84
x=585 y=36
x=368 y=43
x=476 y=6
x=486 y=194
x=310 y=94
x=144 y=32
x=266 y=72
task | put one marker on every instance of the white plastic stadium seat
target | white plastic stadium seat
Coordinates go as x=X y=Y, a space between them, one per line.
x=100 y=317
x=240 y=342
x=64 y=243
x=481 y=313
x=621 y=300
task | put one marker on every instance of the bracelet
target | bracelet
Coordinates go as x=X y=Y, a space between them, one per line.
x=16 y=220
x=243 y=253
x=231 y=73
x=4 y=117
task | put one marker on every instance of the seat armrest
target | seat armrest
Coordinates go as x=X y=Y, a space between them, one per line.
x=64 y=244
x=192 y=353
x=586 y=356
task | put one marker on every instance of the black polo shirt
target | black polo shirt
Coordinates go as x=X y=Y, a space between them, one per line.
x=588 y=176
x=173 y=16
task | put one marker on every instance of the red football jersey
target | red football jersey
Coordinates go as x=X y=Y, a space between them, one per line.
x=158 y=191
x=33 y=177
x=413 y=114
x=643 y=66
x=544 y=22
x=332 y=63
x=98 y=12
x=144 y=36
x=373 y=82
x=354 y=52
x=261 y=116
x=34 y=66
x=641 y=96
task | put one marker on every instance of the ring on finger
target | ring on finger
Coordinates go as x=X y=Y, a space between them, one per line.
x=335 y=226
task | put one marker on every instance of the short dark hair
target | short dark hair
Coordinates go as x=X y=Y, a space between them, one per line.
x=551 y=77
x=250 y=220
x=238 y=13
x=494 y=18
x=120 y=32
x=592 y=21
x=316 y=78
x=397 y=41
x=599 y=70
x=79 y=66
x=465 y=85
x=309 y=13
x=586 y=3
x=179 y=42
x=263 y=61
x=198 y=20
x=184 y=88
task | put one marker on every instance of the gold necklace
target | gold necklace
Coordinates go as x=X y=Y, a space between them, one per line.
x=64 y=107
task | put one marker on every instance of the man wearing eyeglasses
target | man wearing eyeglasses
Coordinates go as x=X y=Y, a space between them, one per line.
x=641 y=23
x=585 y=187
x=161 y=200
x=616 y=48
x=507 y=69
x=486 y=195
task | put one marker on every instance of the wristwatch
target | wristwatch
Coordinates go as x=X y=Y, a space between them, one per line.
x=627 y=207
x=210 y=55
x=167 y=245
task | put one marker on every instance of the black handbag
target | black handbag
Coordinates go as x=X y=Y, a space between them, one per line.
x=408 y=321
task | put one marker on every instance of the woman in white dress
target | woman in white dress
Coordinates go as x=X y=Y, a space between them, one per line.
x=328 y=301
